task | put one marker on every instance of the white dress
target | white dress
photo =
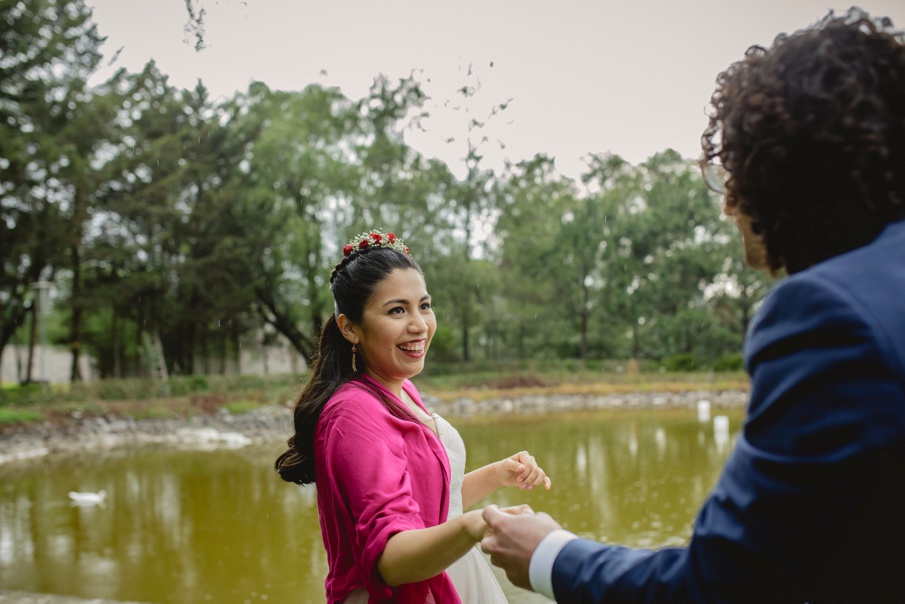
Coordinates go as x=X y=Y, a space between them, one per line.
x=471 y=574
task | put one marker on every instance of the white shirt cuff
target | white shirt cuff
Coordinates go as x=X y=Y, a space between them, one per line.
x=540 y=569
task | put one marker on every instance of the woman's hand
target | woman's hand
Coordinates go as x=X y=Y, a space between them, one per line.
x=521 y=470
x=476 y=527
x=474 y=524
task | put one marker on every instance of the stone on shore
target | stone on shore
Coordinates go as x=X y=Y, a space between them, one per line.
x=267 y=424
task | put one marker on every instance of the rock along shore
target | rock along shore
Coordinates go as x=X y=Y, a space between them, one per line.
x=225 y=430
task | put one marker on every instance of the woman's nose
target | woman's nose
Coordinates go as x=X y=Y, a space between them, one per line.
x=417 y=324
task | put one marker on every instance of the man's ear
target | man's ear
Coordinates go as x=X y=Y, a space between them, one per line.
x=347 y=328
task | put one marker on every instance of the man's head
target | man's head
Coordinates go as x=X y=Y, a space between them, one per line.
x=811 y=132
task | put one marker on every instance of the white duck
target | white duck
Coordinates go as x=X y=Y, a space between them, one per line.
x=87 y=498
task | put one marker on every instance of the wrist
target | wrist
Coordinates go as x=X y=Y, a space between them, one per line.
x=499 y=473
x=473 y=526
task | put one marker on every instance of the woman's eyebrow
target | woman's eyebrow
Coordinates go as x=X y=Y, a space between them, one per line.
x=403 y=301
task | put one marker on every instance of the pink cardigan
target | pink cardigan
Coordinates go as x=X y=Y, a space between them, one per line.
x=376 y=475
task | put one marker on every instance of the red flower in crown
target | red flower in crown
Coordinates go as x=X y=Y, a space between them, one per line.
x=371 y=239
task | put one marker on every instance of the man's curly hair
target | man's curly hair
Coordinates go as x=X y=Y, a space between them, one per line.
x=812 y=134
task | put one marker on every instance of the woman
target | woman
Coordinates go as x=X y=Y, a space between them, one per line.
x=389 y=475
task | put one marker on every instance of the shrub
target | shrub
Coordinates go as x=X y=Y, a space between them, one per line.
x=240 y=407
x=19 y=416
x=26 y=395
x=681 y=362
x=730 y=362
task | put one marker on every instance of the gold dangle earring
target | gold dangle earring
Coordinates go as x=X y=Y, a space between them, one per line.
x=354 y=368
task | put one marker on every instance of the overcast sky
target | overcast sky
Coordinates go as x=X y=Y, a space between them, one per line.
x=630 y=77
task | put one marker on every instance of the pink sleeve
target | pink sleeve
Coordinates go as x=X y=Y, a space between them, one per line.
x=364 y=455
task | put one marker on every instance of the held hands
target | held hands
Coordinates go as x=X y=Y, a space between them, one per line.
x=521 y=470
x=511 y=538
x=475 y=525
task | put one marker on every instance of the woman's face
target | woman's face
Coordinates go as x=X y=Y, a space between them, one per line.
x=396 y=329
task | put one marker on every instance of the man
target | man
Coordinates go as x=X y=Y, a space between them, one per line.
x=810 y=135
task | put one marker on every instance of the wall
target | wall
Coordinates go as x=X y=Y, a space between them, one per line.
x=57 y=361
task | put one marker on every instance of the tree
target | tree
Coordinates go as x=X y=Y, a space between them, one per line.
x=471 y=210
x=299 y=178
x=49 y=49
x=139 y=247
x=668 y=243
x=534 y=202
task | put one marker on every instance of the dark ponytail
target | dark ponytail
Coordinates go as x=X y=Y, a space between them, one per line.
x=353 y=283
x=331 y=367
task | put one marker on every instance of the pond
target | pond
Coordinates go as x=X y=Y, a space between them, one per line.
x=219 y=526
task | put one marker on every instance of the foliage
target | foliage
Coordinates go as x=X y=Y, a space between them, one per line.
x=240 y=407
x=177 y=230
x=730 y=362
x=19 y=416
x=273 y=388
x=683 y=361
x=48 y=119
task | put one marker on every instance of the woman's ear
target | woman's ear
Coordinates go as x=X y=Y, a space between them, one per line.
x=347 y=328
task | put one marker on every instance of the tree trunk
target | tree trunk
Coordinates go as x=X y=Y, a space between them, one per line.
x=115 y=345
x=205 y=352
x=32 y=336
x=465 y=352
x=75 y=327
x=161 y=368
x=221 y=338
x=139 y=339
x=283 y=324
x=237 y=347
x=9 y=326
x=584 y=313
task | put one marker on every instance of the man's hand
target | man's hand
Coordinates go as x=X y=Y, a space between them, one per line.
x=512 y=538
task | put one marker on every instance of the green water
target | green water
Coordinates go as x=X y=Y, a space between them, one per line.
x=219 y=526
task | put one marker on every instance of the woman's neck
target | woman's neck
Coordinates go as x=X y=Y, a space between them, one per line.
x=394 y=386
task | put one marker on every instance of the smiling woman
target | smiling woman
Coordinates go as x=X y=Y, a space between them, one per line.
x=390 y=476
x=396 y=329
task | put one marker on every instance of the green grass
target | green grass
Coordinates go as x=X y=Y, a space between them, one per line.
x=154 y=412
x=240 y=407
x=570 y=377
x=19 y=416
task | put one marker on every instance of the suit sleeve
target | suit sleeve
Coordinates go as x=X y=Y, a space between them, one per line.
x=825 y=421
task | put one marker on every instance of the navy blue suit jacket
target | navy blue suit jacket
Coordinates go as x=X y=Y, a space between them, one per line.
x=810 y=505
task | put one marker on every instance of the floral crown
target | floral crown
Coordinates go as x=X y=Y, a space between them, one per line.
x=375 y=239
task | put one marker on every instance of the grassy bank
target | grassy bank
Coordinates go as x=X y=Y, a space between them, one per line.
x=183 y=397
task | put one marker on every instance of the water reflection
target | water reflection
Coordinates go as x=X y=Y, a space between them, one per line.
x=220 y=526
x=633 y=477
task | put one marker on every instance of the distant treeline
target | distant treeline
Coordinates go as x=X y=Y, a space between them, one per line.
x=175 y=229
